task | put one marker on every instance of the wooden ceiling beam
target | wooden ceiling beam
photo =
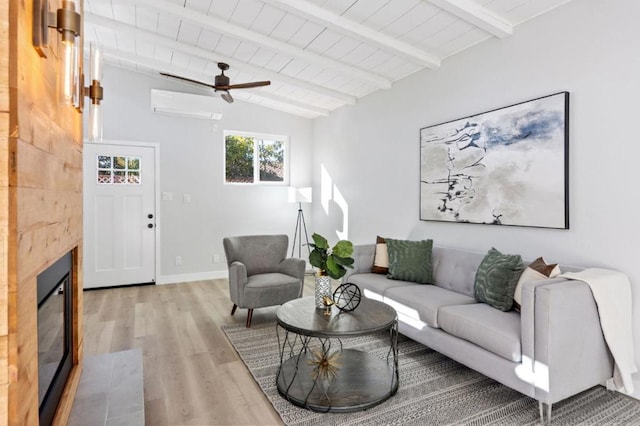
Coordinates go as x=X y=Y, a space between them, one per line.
x=477 y=15
x=354 y=29
x=136 y=33
x=222 y=27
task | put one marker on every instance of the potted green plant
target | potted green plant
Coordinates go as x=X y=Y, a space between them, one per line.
x=332 y=262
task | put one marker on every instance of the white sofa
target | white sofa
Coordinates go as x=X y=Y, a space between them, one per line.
x=551 y=350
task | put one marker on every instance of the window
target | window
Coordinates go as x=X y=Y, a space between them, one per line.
x=255 y=159
x=116 y=169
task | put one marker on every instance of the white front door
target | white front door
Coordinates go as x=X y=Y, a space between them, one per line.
x=119 y=214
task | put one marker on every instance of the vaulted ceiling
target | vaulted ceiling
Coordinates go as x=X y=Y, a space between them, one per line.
x=318 y=54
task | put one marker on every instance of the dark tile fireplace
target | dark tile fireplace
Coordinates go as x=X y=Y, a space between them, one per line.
x=55 y=337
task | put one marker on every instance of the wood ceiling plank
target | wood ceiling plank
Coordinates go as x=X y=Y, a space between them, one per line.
x=470 y=38
x=267 y=20
x=223 y=9
x=142 y=47
x=208 y=40
x=246 y=12
x=189 y=33
x=429 y=28
x=335 y=6
x=162 y=54
x=245 y=52
x=389 y=13
x=478 y=15
x=287 y=27
x=456 y=29
x=168 y=26
x=124 y=13
x=147 y=20
x=294 y=67
x=227 y=46
x=325 y=42
x=100 y=7
x=374 y=61
x=277 y=62
x=343 y=47
x=306 y=34
x=106 y=37
x=200 y=5
x=397 y=67
x=527 y=9
x=411 y=19
x=354 y=29
x=361 y=10
x=261 y=57
x=198 y=65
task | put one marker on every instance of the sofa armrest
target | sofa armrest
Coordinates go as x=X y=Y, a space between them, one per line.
x=363 y=256
x=293 y=267
x=562 y=339
x=237 y=280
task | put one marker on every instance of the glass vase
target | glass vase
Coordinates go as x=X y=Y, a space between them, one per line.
x=323 y=288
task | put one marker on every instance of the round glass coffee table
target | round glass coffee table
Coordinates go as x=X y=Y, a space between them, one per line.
x=317 y=373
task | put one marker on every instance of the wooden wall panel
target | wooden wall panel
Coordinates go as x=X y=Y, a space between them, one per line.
x=40 y=207
x=4 y=211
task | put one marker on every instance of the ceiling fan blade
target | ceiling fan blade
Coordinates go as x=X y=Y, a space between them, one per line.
x=188 y=79
x=248 y=85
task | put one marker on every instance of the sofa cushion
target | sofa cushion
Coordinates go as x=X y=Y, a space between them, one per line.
x=455 y=269
x=410 y=260
x=422 y=302
x=493 y=330
x=496 y=279
x=374 y=285
x=381 y=258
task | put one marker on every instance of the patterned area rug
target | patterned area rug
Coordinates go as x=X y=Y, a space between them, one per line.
x=433 y=390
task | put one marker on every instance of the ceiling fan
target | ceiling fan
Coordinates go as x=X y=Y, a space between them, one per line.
x=222 y=83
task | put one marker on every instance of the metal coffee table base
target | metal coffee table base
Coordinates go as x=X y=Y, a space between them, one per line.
x=362 y=382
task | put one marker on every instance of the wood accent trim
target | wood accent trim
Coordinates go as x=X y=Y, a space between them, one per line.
x=66 y=401
x=40 y=208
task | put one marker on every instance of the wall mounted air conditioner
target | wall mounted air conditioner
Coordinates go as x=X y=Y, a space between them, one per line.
x=186 y=104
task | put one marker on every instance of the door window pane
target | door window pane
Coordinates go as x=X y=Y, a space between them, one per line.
x=118 y=169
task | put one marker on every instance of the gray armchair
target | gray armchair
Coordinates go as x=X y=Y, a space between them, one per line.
x=260 y=274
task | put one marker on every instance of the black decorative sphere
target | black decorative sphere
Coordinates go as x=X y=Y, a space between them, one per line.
x=347 y=297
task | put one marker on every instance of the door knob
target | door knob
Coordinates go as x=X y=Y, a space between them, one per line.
x=150 y=225
x=150 y=216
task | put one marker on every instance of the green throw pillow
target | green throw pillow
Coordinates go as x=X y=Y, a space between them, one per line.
x=410 y=260
x=496 y=279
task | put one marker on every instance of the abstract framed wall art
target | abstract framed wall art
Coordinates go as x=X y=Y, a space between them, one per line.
x=508 y=166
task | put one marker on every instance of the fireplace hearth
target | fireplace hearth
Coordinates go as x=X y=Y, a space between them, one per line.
x=54 y=334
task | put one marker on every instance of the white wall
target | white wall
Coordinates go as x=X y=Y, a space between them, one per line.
x=589 y=48
x=191 y=162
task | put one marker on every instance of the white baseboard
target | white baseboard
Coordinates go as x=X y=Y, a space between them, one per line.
x=196 y=276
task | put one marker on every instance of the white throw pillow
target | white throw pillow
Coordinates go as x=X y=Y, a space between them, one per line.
x=381 y=259
x=536 y=271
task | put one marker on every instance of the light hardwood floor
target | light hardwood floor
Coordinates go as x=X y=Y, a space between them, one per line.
x=192 y=375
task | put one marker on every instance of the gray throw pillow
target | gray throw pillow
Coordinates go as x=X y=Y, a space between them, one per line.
x=410 y=260
x=496 y=279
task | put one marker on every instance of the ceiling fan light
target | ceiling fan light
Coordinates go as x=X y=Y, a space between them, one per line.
x=226 y=96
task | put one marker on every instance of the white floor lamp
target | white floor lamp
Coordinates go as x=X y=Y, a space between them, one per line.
x=300 y=195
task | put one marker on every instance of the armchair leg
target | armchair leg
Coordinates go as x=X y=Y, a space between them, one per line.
x=249 y=315
x=545 y=413
x=233 y=310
